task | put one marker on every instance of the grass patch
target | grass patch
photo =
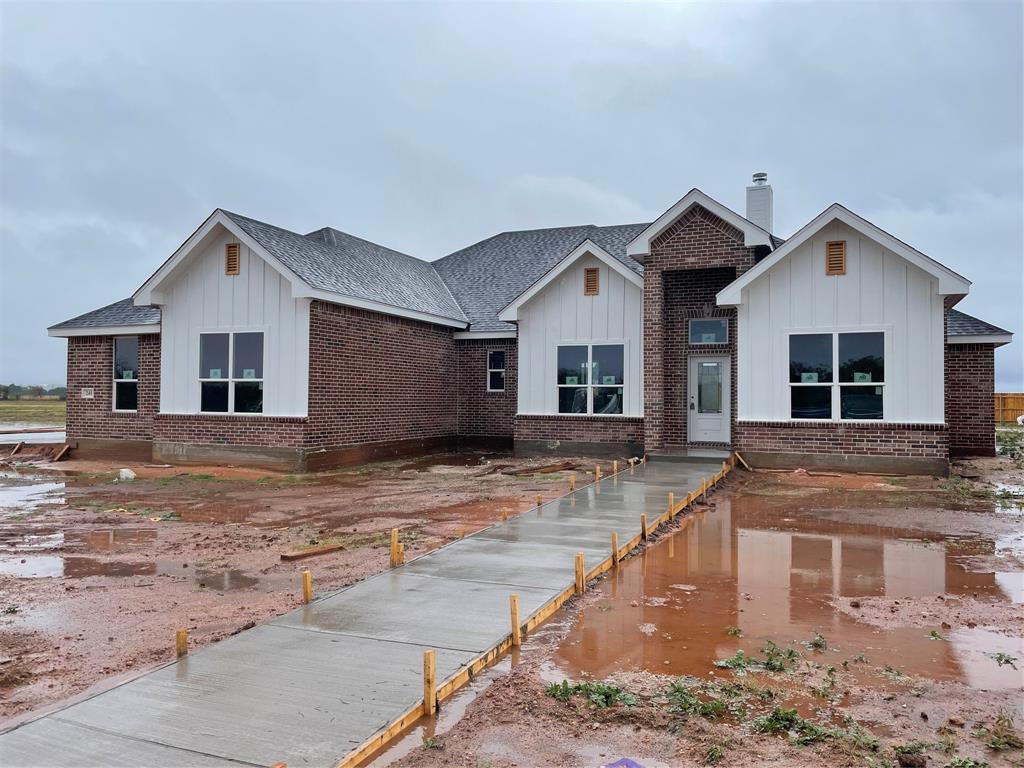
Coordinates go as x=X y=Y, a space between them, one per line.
x=714 y=755
x=683 y=699
x=600 y=695
x=966 y=762
x=816 y=643
x=44 y=413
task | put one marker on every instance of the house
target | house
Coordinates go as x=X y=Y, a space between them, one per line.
x=699 y=332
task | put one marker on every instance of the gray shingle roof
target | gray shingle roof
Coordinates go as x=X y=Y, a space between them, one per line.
x=487 y=276
x=337 y=262
x=961 y=324
x=123 y=312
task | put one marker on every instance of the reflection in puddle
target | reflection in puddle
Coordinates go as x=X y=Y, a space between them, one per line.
x=32 y=566
x=26 y=497
x=773 y=574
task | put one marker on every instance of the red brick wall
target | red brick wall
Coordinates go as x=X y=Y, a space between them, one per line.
x=970 y=384
x=927 y=441
x=483 y=413
x=230 y=429
x=698 y=240
x=583 y=429
x=691 y=294
x=376 y=378
x=91 y=364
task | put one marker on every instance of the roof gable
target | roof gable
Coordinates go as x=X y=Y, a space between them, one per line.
x=486 y=276
x=753 y=235
x=588 y=247
x=950 y=283
x=330 y=265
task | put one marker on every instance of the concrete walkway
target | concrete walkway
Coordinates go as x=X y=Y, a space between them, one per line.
x=312 y=686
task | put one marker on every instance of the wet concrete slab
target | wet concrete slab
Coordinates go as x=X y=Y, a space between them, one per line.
x=463 y=614
x=270 y=694
x=314 y=684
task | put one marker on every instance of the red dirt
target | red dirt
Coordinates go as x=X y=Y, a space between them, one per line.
x=95 y=586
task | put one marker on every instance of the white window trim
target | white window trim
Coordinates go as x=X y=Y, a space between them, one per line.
x=590 y=385
x=835 y=384
x=707 y=343
x=116 y=381
x=496 y=370
x=230 y=379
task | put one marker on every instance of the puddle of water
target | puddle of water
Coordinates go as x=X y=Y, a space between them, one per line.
x=20 y=497
x=33 y=566
x=467 y=459
x=771 y=569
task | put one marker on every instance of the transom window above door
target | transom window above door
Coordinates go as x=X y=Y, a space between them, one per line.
x=231 y=372
x=816 y=392
x=709 y=330
x=591 y=378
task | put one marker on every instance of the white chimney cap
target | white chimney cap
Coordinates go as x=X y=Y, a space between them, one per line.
x=760 y=178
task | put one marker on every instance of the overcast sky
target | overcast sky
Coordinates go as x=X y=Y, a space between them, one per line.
x=428 y=127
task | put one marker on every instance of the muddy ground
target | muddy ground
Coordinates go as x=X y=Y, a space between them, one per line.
x=97 y=574
x=803 y=620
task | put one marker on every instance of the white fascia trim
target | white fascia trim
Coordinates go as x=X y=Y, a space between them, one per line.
x=510 y=313
x=998 y=339
x=458 y=335
x=148 y=294
x=376 y=306
x=752 y=234
x=950 y=283
x=104 y=330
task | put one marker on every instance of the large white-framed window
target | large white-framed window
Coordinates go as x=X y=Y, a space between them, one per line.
x=591 y=378
x=837 y=376
x=496 y=370
x=126 y=374
x=231 y=372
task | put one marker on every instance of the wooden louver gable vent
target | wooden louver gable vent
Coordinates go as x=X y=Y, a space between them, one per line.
x=232 y=259
x=591 y=281
x=835 y=257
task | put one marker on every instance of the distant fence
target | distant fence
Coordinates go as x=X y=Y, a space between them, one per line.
x=1009 y=405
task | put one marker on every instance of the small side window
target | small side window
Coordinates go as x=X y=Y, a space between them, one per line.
x=496 y=371
x=126 y=373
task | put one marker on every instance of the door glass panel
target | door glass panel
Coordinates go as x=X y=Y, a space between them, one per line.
x=709 y=387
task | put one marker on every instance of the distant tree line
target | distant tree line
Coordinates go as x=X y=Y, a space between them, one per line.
x=35 y=392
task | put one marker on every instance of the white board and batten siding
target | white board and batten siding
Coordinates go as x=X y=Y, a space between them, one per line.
x=561 y=314
x=879 y=292
x=202 y=299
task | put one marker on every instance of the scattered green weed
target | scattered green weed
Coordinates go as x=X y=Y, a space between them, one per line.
x=966 y=762
x=935 y=635
x=817 y=643
x=801 y=731
x=599 y=694
x=1003 y=659
x=714 y=755
x=734 y=632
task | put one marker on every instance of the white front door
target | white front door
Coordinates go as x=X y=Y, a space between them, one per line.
x=708 y=400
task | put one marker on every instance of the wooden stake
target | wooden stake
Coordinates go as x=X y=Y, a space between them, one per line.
x=581 y=579
x=181 y=642
x=643 y=525
x=572 y=483
x=742 y=461
x=513 y=604
x=704 y=488
x=597 y=472
x=64 y=449
x=307 y=586
x=504 y=513
x=17 y=448
x=615 y=548
x=671 y=503
x=429 y=682
x=462 y=533
x=394 y=547
x=540 y=500
x=401 y=553
x=615 y=467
